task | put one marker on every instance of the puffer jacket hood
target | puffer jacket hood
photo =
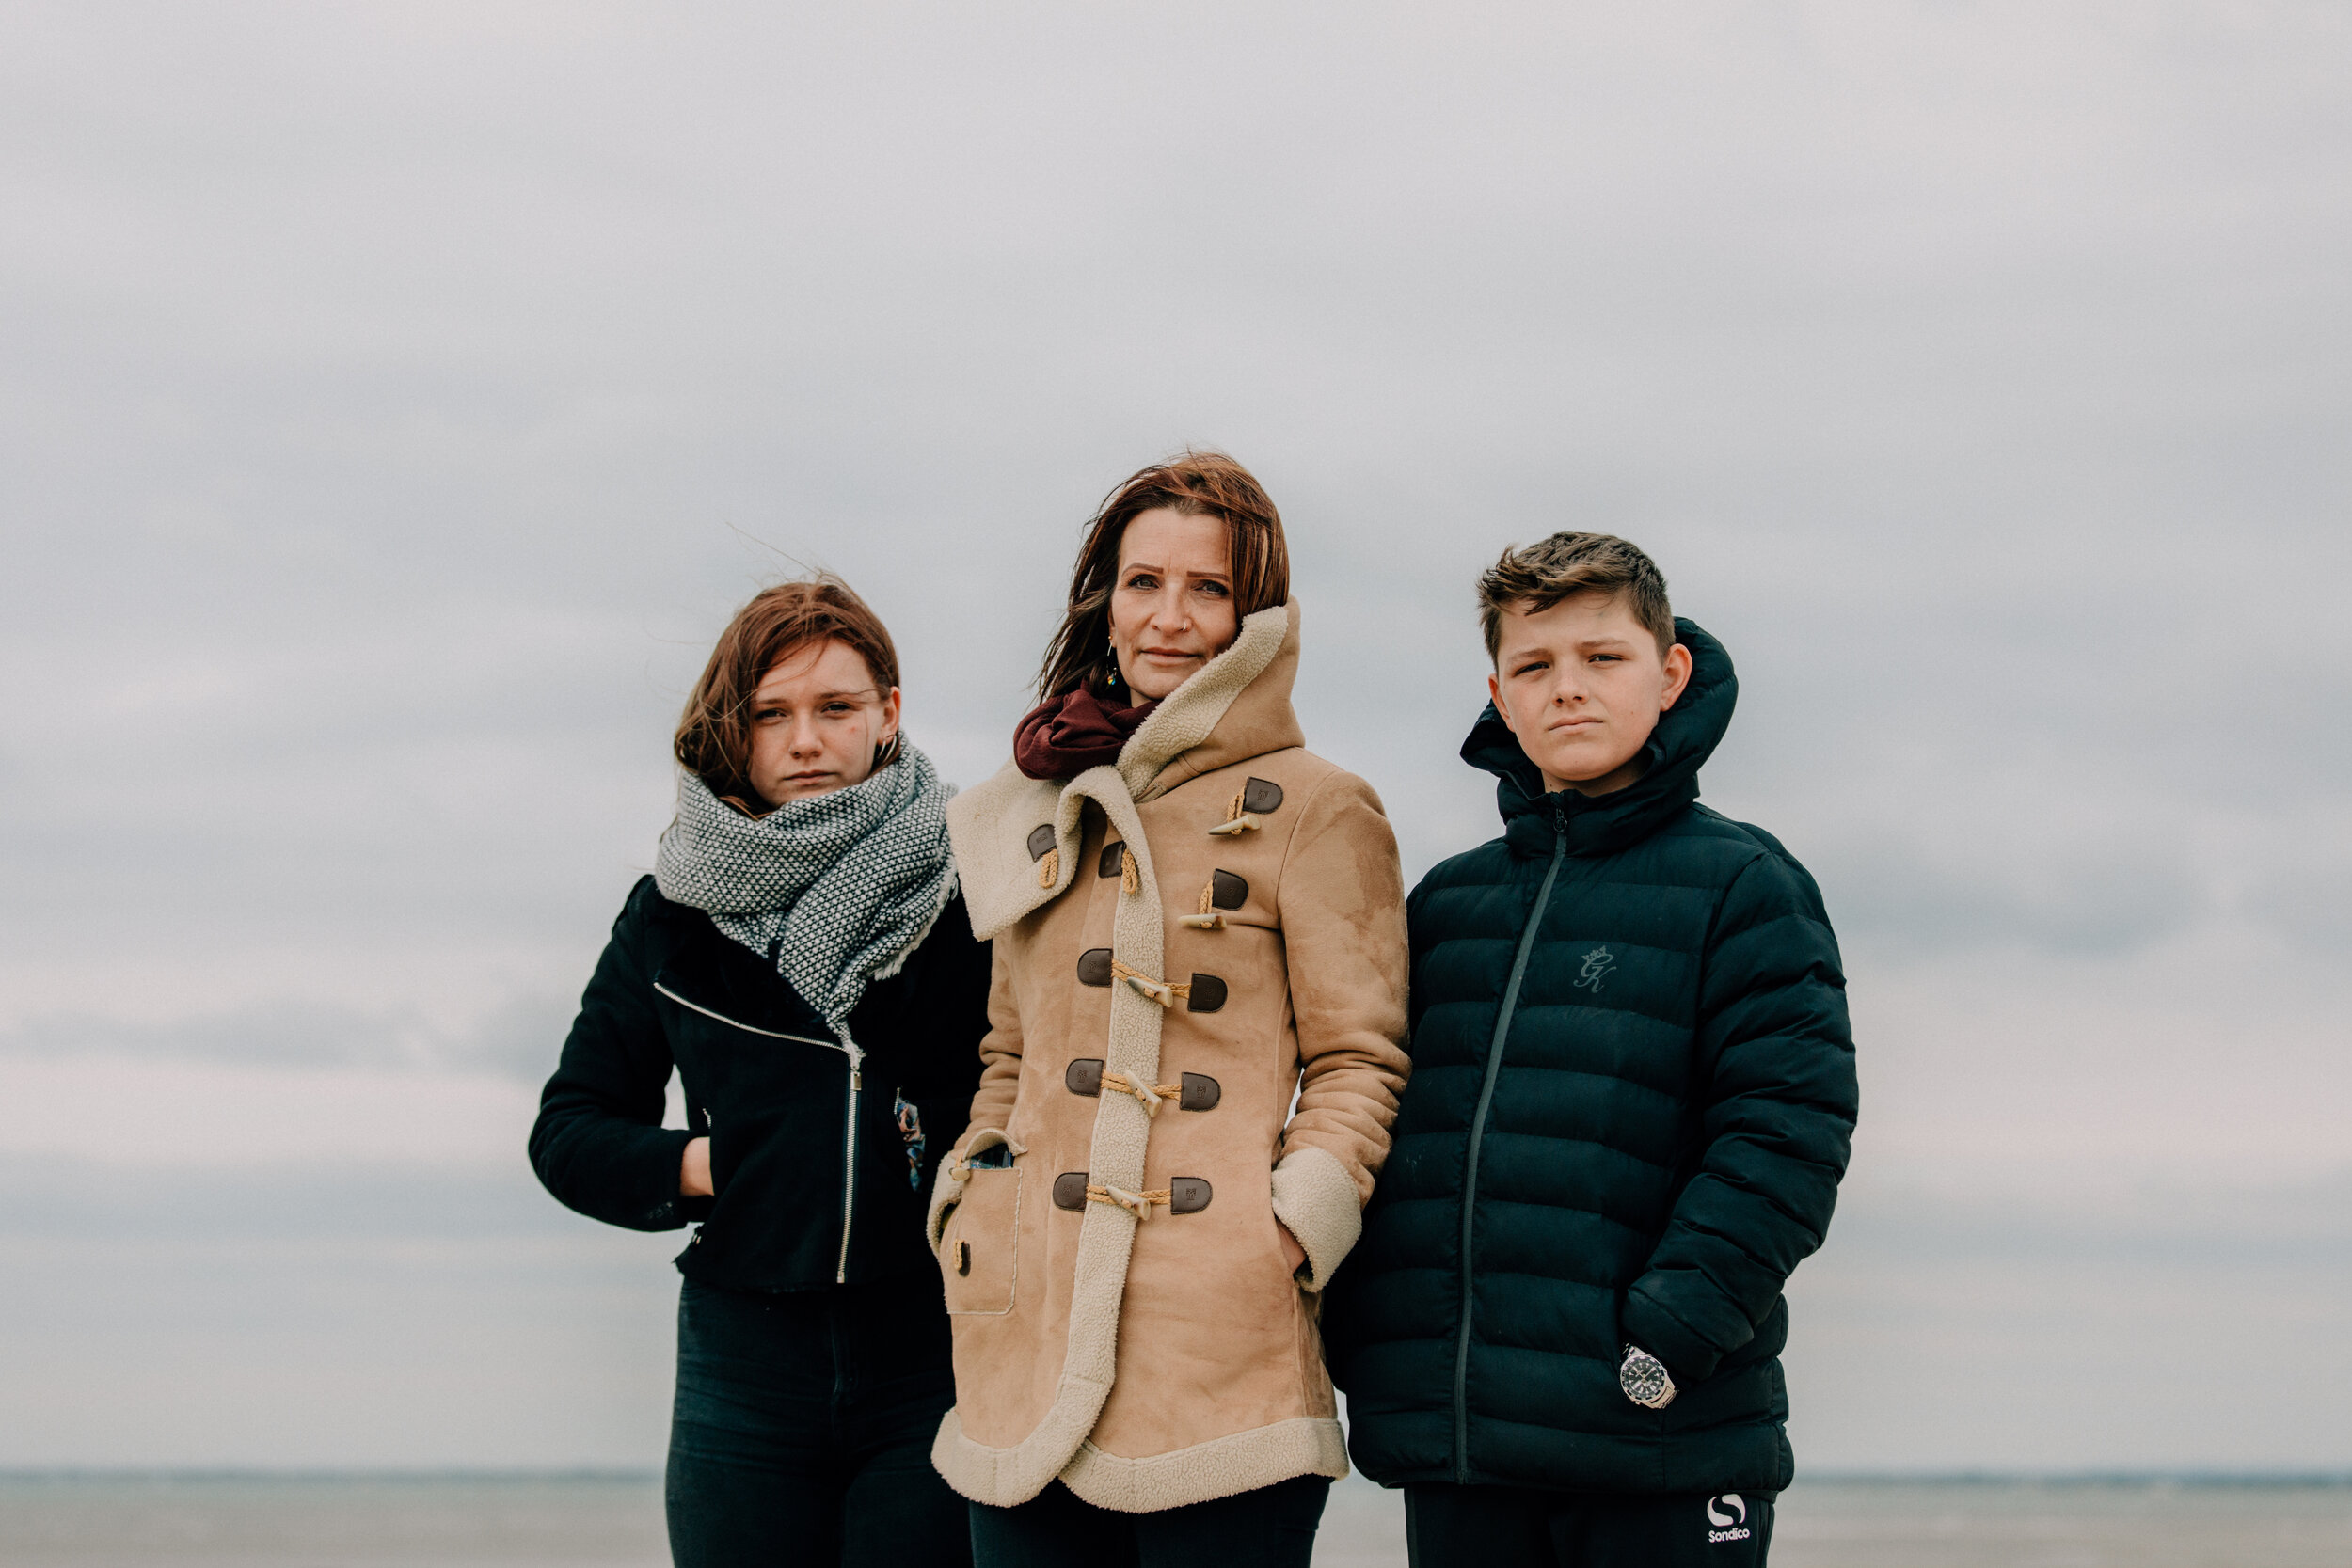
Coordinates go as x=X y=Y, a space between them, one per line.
x=1685 y=737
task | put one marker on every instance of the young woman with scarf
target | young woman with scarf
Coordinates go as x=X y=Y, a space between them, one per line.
x=803 y=958
x=1195 y=919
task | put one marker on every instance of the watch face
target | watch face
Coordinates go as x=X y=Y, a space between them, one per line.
x=1642 y=1378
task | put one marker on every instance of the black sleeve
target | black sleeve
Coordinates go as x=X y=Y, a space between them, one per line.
x=1778 y=1123
x=976 y=968
x=932 y=1044
x=953 y=1021
x=599 y=1145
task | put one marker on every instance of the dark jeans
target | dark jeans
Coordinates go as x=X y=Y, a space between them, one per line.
x=1503 y=1527
x=1273 y=1526
x=802 y=1430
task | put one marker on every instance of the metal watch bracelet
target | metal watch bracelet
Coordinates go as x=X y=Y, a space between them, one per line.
x=1644 y=1379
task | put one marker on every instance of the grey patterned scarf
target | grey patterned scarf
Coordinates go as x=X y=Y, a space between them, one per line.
x=836 y=890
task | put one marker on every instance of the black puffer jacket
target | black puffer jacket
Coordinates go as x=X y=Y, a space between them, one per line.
x=814 y=1183
x=1632 y=1095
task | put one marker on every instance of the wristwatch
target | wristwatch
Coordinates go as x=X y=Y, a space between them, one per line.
x=1644 y=1378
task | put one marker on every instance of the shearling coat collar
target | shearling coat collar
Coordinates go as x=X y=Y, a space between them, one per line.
x=1235 y=707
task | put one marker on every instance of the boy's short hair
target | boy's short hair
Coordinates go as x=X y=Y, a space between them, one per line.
x=1541 y=575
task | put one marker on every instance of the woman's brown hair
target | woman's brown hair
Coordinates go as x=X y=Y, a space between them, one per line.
x=1199 y=484
x=714 y=736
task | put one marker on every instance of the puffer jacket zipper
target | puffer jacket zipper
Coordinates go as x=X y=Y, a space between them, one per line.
x=1477 y=1136
x=849 y=1133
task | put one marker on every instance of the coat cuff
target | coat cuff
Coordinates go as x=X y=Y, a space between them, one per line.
x=1315 y=1197
x=1689 y=1359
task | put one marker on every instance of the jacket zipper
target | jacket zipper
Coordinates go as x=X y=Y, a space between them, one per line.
x=848 y=1136
x=849 y=1163
x=1478 y=1135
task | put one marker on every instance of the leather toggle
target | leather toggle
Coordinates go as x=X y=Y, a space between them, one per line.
x=1045 y=851
x=1222 y=891
x=1117 y=862
x=1257 y=799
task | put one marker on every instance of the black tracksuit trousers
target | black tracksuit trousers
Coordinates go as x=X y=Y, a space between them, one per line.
x=1506 y=1526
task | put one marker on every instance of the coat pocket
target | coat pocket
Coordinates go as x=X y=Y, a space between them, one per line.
x=980 y=1253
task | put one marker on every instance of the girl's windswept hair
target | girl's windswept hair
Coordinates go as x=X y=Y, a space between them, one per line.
x=714 y=735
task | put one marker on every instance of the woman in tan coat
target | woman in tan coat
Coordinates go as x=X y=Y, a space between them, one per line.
x=1194 y=1055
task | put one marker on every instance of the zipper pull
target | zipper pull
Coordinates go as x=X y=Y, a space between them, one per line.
x=857 y=1080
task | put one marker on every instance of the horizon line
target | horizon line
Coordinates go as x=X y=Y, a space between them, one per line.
x=2113 y=1476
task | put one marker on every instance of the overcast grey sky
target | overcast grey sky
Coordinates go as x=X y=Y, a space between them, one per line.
x=399 y=397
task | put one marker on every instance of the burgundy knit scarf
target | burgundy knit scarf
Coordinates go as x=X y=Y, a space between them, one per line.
x=1063 y=737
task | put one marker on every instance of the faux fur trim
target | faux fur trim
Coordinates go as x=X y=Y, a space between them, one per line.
x=1302 y=1446
x=1314 y=1195
x=988 y=829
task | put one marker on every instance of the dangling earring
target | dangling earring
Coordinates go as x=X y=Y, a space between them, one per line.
x=1111 y=659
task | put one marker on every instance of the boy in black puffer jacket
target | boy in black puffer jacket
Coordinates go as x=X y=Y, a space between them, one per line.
x=1632 y=1097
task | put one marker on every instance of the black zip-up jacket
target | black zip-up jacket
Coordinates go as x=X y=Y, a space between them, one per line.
x=810 y=1153
x=1632 y=1097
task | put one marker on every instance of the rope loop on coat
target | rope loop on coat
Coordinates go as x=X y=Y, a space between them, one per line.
x=1162 y=991
x=1137 y=1204
x=1208 y=919
x=1149 y=1095
x=1049 y=867
x=1130 y=878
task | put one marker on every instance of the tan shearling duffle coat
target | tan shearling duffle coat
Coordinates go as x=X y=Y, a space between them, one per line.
x=1183 y=941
